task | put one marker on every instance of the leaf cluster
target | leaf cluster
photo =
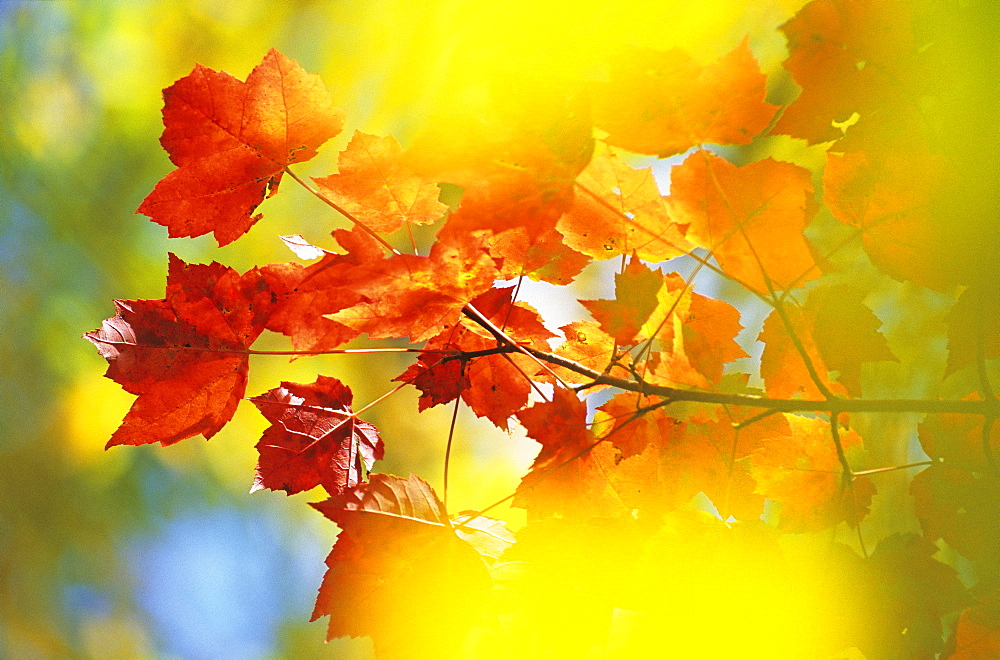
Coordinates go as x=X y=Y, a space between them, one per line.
x=549 y=185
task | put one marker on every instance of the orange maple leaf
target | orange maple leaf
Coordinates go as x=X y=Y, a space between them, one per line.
x=232 y=140
x=378 y=189
x=619 y=210
x=750 y=217
x=803 y=473
x=664 y=103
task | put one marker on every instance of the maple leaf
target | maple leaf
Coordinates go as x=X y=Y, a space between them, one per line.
x=494 y=386
x=974 y=328
x=399 y=573
x=664 y=103
x=957 y=441
x=635 y=299
x=703 y=454
x=569 y=475
x=376 y=187
x=308 y=293
x=696 y=332
x=803 y=474
x=911 y=591
x=837 y=331
x=782 y=366
x=894 y=201
x=619 y=211
x=846 y=332
x=185 y=355
x=231 y=141
x=630 y=429
x=589 y=346
x=851 y=56
x=515 y=156
x=961 y=508
x=314 y=438
x=750 y=217
x=419 y=297
x=977 y=632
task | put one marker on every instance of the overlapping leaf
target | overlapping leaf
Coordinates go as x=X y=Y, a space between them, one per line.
x=664 y=103
x=185 y=355
x=696 y=334
x=398 y=572
x=804 y=475
x=418 y=297
x=494 y=386
x=635 y=299
x=851 y=56
x=377 y=189
x=618 y=210
x=836 y=331
x=752 y=217
x=231 y=141
x=314 y=438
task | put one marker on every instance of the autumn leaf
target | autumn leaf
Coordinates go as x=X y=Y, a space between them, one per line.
x=569 y=475
x=399 y=573
x=314 y=438
x=635 y=298
x=309 y=293
x=185 y=355
x=911 y=590
x=697 y=335
x=664 y=103
x=977 y=632
x=839 y=334
x=782 y=366
x=852 y=57
x=231 y=141
x=803 y=474
x=974 y=328
x=515 y=154
x=375 y=186
x=587 y=345
x=618 y=210
x=419 y=297
x=752 y=217
x=629 y=427
x=961 y=508
x=959 y=441
x=893 y=200
x=494 y=386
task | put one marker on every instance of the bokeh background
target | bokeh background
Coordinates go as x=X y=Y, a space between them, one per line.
x=153 y=552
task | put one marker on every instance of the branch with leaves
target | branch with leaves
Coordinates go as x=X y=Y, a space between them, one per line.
x=542 y=199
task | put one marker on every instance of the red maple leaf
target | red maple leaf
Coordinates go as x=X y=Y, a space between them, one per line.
x=231 y=141
x=186 y=355
x=419 y=297
x=311 y=292
x=314 y=438
x=494 y=386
